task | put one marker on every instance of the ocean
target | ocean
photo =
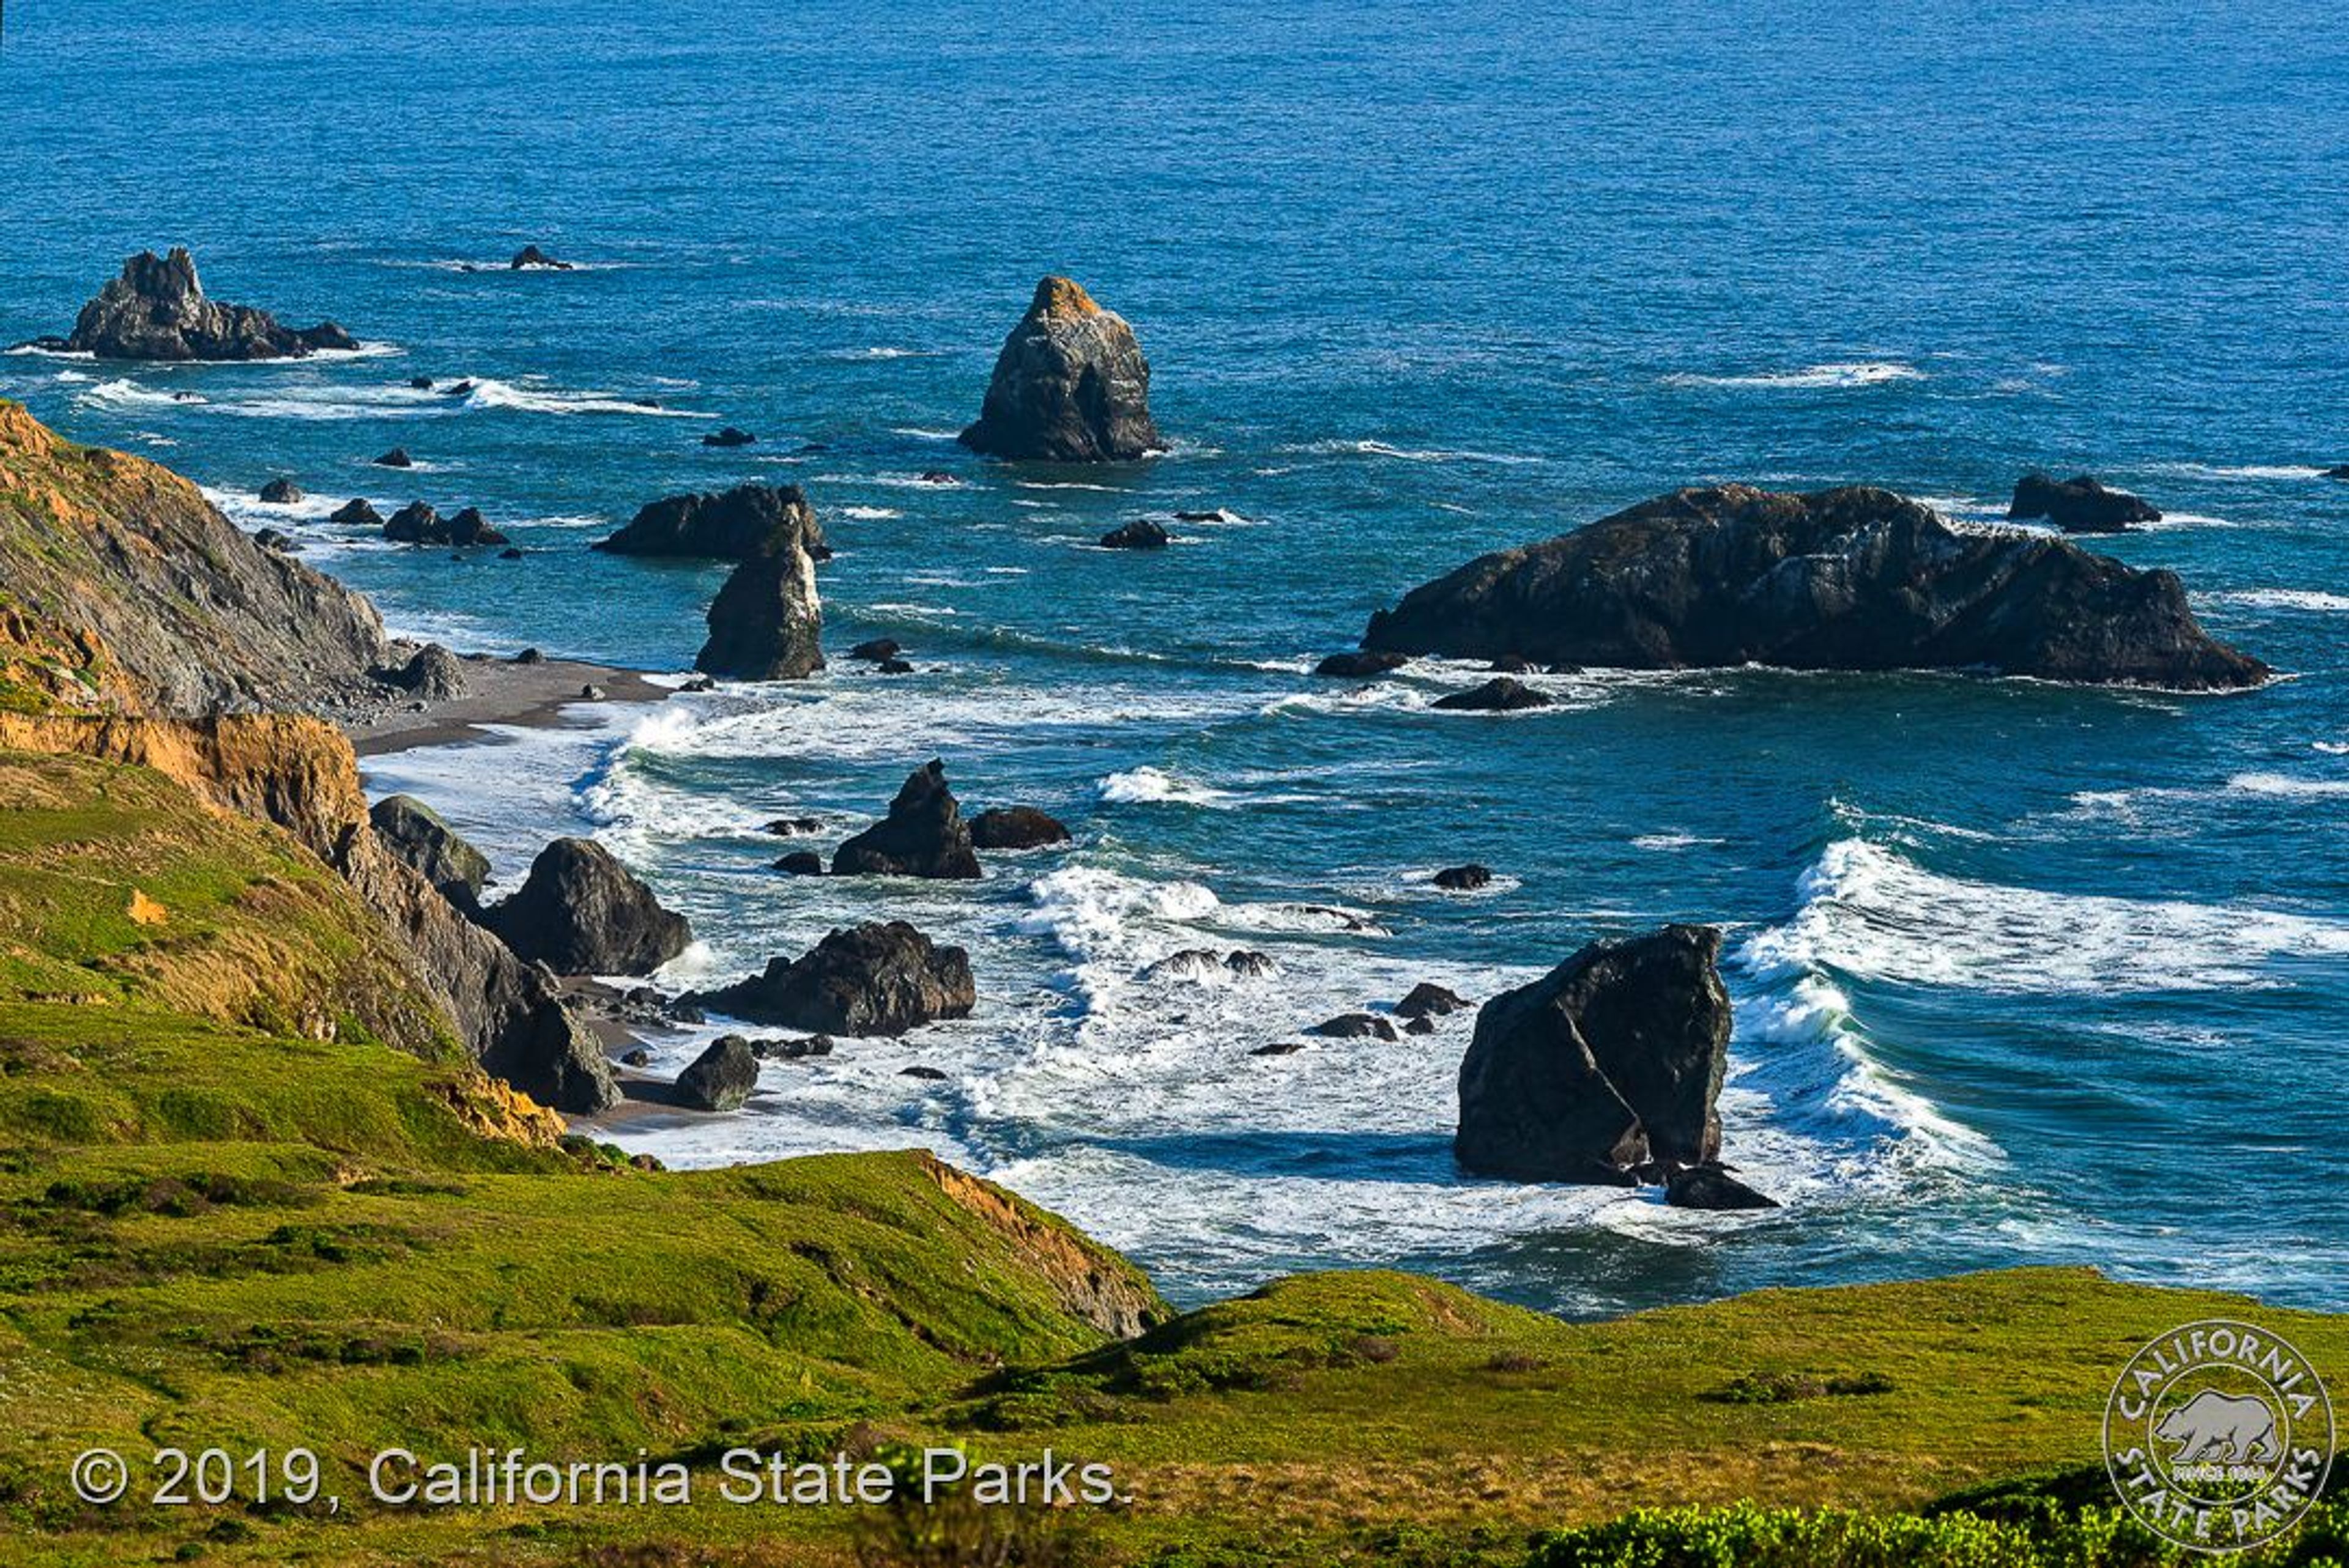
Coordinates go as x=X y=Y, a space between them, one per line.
x=2024 y=972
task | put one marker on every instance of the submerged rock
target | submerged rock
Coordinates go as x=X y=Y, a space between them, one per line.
x=1140 y=534
x=397 y=457
x=1464 y=879
x=1016 y=828
x=2080 y=504
x=157 y=310
x=1071 y=386
x=2340 y=471
x=1429 y=1000
x=731 y=436
x=801 y=863
x=581 y=912
x=1853 y=579
x=877 y=651
x=416 y=834
x=924 y=834
x=1360 y=665
x=1356 y=1026
x=873 y=979
x=530 y=257
x=1499 y=695
x=721 y=1077
x=744 y=521
x=1611 y=1061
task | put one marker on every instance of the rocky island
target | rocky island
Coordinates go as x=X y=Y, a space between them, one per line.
x=1071 y=386
x=157 y=310
x=1853 y=579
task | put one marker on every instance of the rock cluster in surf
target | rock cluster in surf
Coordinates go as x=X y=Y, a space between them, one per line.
x=1071 y=386
x=1852 y=579
x=924 y=834
x=157 y=310
x=873 y=979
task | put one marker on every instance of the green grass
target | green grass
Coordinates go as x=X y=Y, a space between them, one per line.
x=235 y=1213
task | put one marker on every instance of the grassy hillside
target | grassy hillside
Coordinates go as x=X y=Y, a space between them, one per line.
x=233 y=1214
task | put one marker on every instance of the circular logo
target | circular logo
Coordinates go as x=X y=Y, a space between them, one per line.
x=2218 y=1435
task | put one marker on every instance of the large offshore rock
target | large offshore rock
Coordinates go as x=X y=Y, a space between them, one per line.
x=731 y=526
x=1071 y=386
x=767 y=622
x=2080 y=504
x=1855 y=579
x=157 y=310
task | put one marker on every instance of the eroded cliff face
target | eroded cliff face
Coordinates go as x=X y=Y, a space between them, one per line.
x=141 y=627
x=122 y=588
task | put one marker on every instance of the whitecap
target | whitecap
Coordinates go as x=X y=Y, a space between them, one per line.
x=1836 y=374
x=530 y=397
x=2312 y=599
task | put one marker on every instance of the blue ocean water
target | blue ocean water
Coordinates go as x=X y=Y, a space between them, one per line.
x=2025 y=972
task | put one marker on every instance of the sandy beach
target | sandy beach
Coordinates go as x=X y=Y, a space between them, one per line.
x=545 y=694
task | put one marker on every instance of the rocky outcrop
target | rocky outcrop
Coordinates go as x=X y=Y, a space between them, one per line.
x=149 y=601
x=531 y=258
x=281 y=492
x=417 y=837
x=721 y=1077
x=1360 y=665
x=416 y=524
x=157 y=310
x=873 y=979
x=1071 y=386
x=1710 y=1186
x=1464 y=879
x=1429 y=1000
x=581 y=912
x=2079 y=505
x=1852 y=579
x=747 y=521
x=1610 y=1063
x=767 y=622
x=397 y=457
x=1142 y=533
x=1016 y=828
x=924 y=834
x=1500 y=694
x=1356 y=1026
x=359 y=513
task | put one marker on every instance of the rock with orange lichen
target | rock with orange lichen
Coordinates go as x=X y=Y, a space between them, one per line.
x=1070 y=386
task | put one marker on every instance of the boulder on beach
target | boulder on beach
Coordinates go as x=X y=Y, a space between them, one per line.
x=924 y=834
x=721 y=1077
x=1071 y=386
x=415 y=835
x=734 y=526
x=767 y=622
x=1852 y=579
x=1500 y=694
x=397 y=457
x=1610 y=1062
x=1142 y=533
x=359 y=513
x=581 y=912
x=157 y=310
x=1016 y=828
x=1360 y=665
x=871 y=979
x=281 y=492
x=531 y=258
x=731 y=436
x=434 y=674
x=2079 y=505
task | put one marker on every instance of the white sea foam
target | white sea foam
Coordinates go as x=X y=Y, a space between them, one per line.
x=2312 y=599
x=1836 y=374
x=1376 y=448
x=1872 y=914
x=2243 y=471
x=1148 y=786
x=2285 y=785
x=530 y=395
x=868 y=513
x=128 y=394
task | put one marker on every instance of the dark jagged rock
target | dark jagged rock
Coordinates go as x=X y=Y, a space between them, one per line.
x=469 y=528
x=747 y=521
x=414 y=833
x=1464 y=879
x=530 y=656
x=1429 y=1000
x=1140 y=534
x=1279 y=1049
x=873 y=979
x=591 y=693
x=458 y=389
x=2080 y=504
x=581 y=912
x=1513 y=664
x=1356 y=1026
x=721 y=1077
x=157 y=310
x=1220 y=514
x=1071 y=386
x=1015 y=828
x=1851 y=579
x=1612 y=1060
x=878 y=651
x=1420 y=1025
x=928 y=1074
x=271 y=539
x=731 y=436
x=281 y=492
x=1710 y=1186
x=1499 y=695
x=796 y=1048
x=514 y=552
x=421 y=383
x=802 y=864
x=1360 y=665
x=893 y=667
x=531 y=258
x=434 y=674
x=2339 y=473
x=795 y=827
x=924 y=834
x=357 y=513
x=939 y=477
x=1249 y=965
x=416 y=523
x=397 y=457
x=767 y=622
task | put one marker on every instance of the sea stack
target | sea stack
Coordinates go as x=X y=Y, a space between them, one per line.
x=924 y=834
x=157 y=310
x=1070 y=386
x=1851 y=579
x=1608 y=1065
x=734 y=526
x=766 y=622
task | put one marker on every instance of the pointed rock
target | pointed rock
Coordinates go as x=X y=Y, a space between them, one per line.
x=157 y=310
x=1071 y=386
x=734 y=526
x=581 y=912
x=924 y=834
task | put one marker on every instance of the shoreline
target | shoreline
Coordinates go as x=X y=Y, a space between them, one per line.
x=501 y=693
